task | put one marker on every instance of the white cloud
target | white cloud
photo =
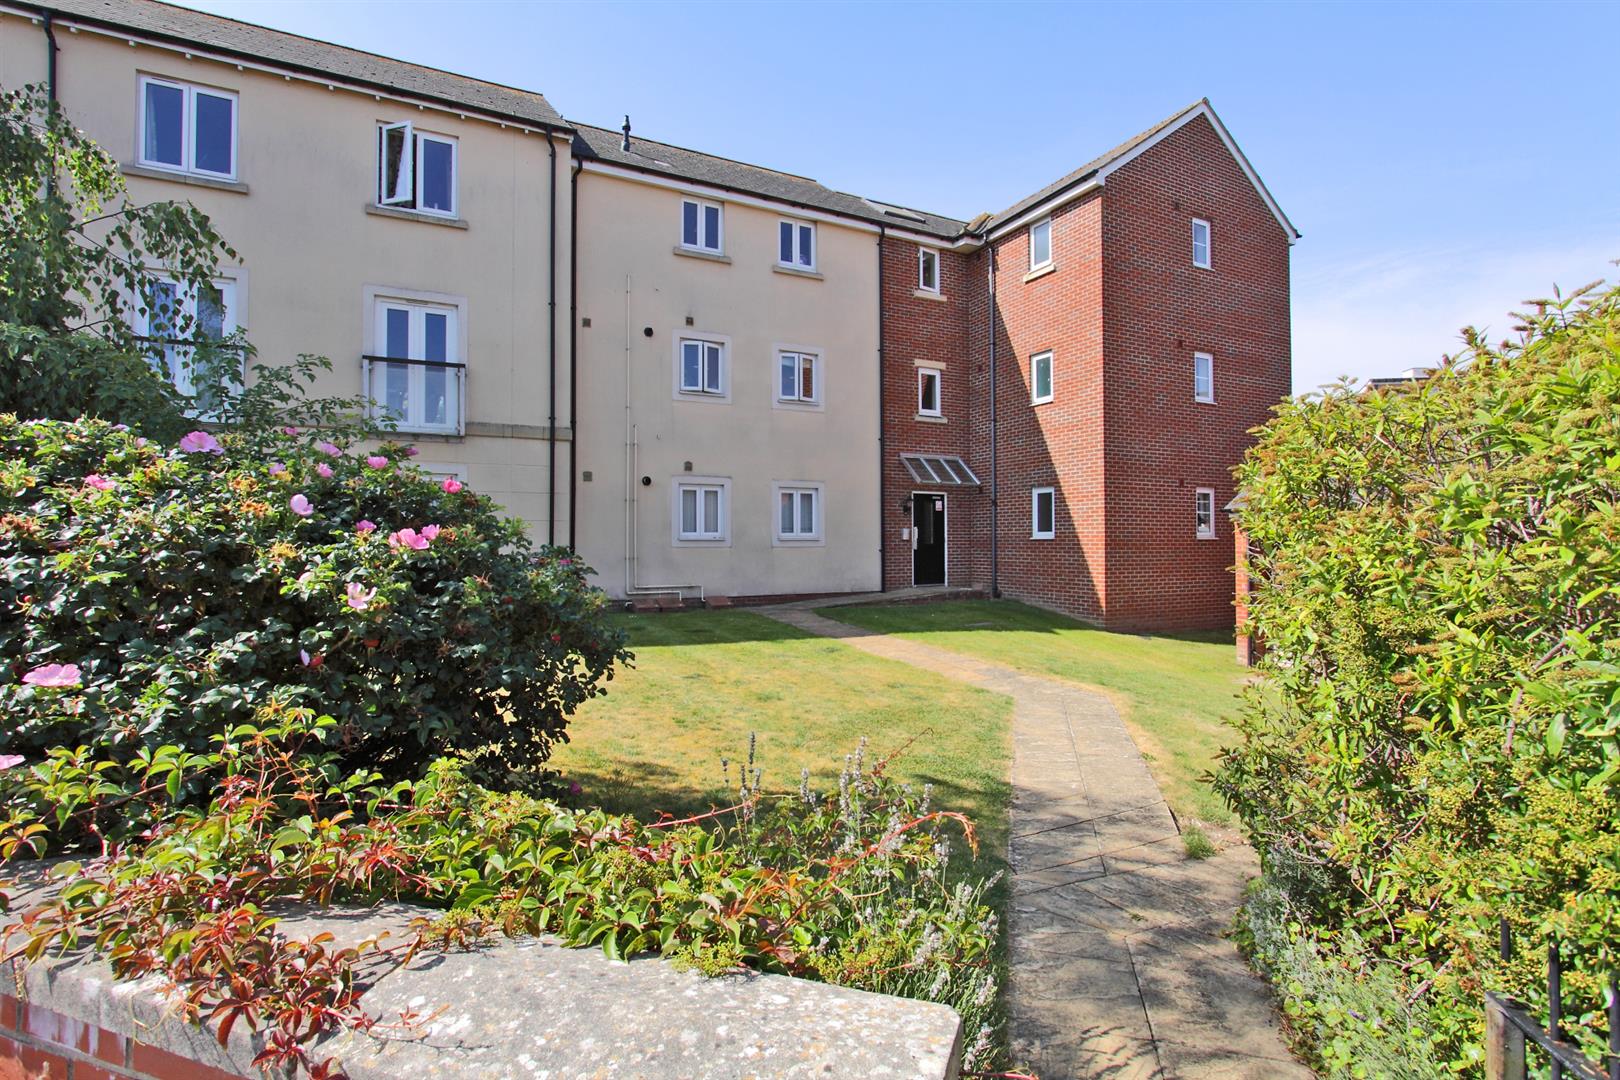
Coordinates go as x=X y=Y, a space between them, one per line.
x=1378 y=316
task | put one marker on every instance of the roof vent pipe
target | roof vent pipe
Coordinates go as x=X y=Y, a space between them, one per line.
x=625 y=145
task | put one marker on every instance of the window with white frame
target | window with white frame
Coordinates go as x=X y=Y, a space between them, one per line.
x=1203 y=377
x=700 y=511
x=1040 y=244
x=703 y=365
x=1200 y=243
x=416 y=375
x=416 y=170
x=186 y=128
x=174 y=318
x=798 y=376
x=796 y=244
x=1042 y=513
x=928 y=270
x=798 y=513
x=928 y=400
x=1204 y=513
x=1040 y=377
x=701 y=225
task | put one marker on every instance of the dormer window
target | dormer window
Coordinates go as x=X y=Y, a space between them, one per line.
x=416 y=170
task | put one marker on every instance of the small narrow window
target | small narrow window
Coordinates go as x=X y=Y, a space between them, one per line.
x=928 y=270
x=1203 y=377
x=798 y=513
x=1042 y=513
x=796 y=377
x=702 y=366
x=1040 y=244
x=416 y=170
x=796 y=245
x=700 y=226
x=928 y=403
x=701 y=512
x=1040 y=377
x=1204 y=513
x=188 y=128
x=1200 y=241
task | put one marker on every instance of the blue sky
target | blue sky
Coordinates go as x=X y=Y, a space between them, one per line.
x=1444 y=161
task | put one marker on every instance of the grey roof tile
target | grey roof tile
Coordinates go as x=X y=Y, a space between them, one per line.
x=150 y=18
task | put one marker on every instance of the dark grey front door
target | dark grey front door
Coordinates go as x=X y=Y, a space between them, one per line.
x=928 y=549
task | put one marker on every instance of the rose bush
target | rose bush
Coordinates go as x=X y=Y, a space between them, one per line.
x=186 y=587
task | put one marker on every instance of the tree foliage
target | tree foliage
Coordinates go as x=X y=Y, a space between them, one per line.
x=1437 y=740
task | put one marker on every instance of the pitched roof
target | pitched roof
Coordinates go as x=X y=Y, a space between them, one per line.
x=663 y=159
x=166 y=22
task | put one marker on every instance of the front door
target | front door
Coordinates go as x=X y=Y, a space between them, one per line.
x=928 y=539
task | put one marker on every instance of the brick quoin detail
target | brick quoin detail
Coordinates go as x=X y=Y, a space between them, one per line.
x=38 y=1044
x=1123 y=442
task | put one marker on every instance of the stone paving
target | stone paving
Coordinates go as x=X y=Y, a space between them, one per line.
x=1119 y=966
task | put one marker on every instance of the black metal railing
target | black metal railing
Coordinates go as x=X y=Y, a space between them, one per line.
x=1511 y=1029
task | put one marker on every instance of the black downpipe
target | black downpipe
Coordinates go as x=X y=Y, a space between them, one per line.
x=883 y=418
x=551 y=351
x=50 y=87
x=573 y=352
x=995 y=476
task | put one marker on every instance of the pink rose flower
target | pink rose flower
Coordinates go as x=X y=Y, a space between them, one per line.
x=311 y=661
x=430 y=532
x=377 y=461
x=300 y=505
x=410 y=538
x=200 y=442
x=451 y=484
x=324 y=470
x=289 y=431
x=359 y=597
x=99 y=482
x=140 y=440
x=277 y=468
x=363 y=526
x=10 y=761
x=55 y=676
x=411 y=451
x=328 y=449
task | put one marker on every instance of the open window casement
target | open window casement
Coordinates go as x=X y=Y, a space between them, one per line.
x=396 y=164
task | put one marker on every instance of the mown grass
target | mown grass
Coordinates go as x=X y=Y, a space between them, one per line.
x=702 y=682
x=1174 y=692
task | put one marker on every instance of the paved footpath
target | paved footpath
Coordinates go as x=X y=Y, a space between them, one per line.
x=1119 y=967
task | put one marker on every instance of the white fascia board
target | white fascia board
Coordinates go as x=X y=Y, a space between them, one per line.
x=331 y=82
x=1045 y=209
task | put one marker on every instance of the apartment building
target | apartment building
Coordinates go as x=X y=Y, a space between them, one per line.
x=774 y=389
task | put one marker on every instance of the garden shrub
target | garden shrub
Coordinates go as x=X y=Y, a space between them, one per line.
x=184 y=588
x=1437 y=741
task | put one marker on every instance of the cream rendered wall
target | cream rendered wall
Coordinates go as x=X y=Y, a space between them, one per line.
x=309 y=250
x=630 y=280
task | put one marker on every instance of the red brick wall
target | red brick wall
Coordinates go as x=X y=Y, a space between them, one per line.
x=36 y=1044
x=1159 y=309
x=935 y=331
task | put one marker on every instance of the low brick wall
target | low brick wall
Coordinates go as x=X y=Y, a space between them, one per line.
x=516 y=1008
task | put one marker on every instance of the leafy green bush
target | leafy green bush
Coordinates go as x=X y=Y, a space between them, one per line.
x=188 y=587
x=1437 y=743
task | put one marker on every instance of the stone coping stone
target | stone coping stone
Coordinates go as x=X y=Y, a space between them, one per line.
x=531 y=1008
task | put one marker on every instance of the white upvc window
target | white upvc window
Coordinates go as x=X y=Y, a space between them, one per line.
x=186 y=128
x=1040 y=244
x=928 y=270
x=702 y=225
x=798 y=376
x=1040 y=377
x=416 y=170
x=702 y=366
x=796 y=244
x=416 y=375
x=1042 y=513
x=1201 y=243
x=798 y=512
x=701 y=511
x=1203 y=377
x=928 y=396
x=174 y=314
x=1204 y=513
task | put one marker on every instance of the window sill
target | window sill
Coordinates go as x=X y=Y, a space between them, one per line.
x=799 y=406
x=927 y=294
x=798 y=541
x=1044 y=537
x=794 y=271
x=1206 y=536
x=1040 y=271
x=1041 y=401
x=699 y=395
x=216 y=183
x=1203 y=401
x=719 y=542
x=415 y=215
x=930 y=418
x=709 y=256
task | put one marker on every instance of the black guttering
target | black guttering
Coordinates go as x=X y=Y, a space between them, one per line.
x=573 y=353
x=995 y=476
x=882 y=443
x=551 y=351
x=50 y=87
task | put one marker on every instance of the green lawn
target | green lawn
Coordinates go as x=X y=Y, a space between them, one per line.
x=703 y=681
x=1174 y=692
